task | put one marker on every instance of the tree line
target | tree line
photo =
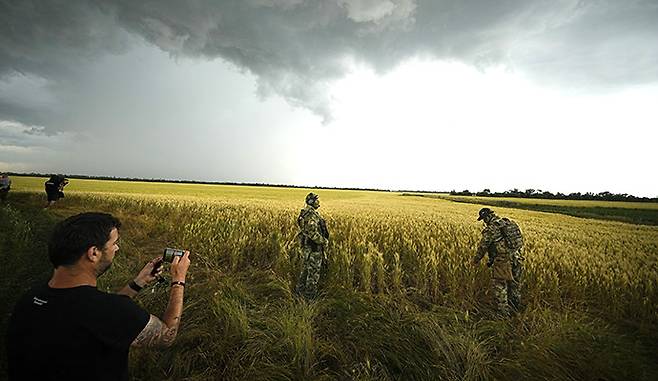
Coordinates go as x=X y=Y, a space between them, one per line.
x=538 y=193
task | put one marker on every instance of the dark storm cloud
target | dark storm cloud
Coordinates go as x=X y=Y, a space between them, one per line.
x=10 y=111
x=296 y=47
x=52 y=38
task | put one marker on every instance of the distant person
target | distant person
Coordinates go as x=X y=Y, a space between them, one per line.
x=502 y=241
x=314 y=238
x=5 y=186
x=69 y=330
x=55 y=188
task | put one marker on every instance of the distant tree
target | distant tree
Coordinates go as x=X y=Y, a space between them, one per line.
x=485 y=192
x=514 y=193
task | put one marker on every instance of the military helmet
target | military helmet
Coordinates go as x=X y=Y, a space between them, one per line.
x=484 y=212
x=311 y=197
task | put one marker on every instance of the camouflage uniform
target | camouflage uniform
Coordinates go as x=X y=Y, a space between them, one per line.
x=513 y=289
x=506 y=266
x=314 y=238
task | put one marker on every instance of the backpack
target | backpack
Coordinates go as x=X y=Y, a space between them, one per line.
x=511 y=233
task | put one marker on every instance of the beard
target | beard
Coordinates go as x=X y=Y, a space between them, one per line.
x=103 y=265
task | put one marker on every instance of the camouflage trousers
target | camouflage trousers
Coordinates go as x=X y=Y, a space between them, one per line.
x=307 y=285
x=507 y=293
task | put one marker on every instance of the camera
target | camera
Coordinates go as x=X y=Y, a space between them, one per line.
x=169 y=254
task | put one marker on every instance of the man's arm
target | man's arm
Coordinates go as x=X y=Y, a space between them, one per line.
x=131 y=292
x=163 y=332
x=483 y=247
x=127 y=291
x=144 y=278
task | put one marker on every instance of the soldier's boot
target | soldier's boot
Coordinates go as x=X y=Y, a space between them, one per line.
x=500 y=298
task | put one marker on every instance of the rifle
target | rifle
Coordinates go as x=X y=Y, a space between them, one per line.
x=323 y=229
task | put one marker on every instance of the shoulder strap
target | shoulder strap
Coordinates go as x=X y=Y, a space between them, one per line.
x=302 y=214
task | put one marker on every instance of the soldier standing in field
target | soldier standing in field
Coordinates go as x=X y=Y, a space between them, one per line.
x=314 y=238
x=502 y=241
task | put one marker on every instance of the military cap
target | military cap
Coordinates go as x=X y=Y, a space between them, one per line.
x=484 y=212
x=311 y=196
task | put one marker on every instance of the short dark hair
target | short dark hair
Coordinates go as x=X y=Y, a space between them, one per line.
x=73 y=236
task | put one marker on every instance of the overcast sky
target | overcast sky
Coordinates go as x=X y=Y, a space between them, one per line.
x=558 y=95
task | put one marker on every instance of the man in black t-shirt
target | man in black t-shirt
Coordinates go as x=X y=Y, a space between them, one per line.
x=69 y=330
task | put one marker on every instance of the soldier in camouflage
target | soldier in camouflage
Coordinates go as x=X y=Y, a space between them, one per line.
x=314 y=238
x=505 y=262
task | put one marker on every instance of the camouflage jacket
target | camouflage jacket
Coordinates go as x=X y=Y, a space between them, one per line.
x=310 y=223
x=492 y=242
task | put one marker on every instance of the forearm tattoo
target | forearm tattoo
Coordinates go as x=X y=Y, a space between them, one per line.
x=156 y=333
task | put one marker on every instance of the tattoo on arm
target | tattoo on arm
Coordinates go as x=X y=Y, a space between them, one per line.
x=163 y=332
x=156 y=333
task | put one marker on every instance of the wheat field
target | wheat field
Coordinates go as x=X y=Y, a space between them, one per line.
x=400 y=299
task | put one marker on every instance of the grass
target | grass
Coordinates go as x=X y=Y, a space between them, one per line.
x=400 y=300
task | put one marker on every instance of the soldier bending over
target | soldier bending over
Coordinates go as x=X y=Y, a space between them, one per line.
x=502 y=241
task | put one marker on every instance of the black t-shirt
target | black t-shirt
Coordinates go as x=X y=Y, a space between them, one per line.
x=54 y=183
x=76 y=333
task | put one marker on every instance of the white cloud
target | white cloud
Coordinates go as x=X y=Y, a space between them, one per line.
x=431 y=125
x=17 y=134
x=376 y=10
x=9 y=149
